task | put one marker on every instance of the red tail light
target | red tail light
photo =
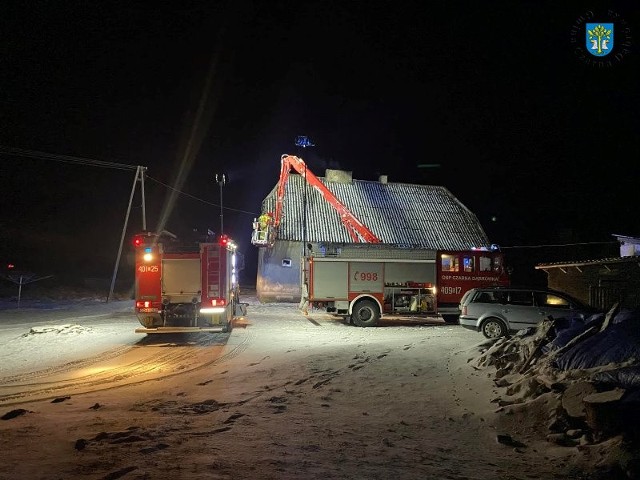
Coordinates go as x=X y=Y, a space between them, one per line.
x=141 y=304
x=138 y=241
x=218 y=302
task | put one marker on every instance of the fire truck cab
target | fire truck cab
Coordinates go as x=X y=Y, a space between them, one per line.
x=186 y=286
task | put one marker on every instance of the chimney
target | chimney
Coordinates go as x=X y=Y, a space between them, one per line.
x=338 y=176
x=383 y=179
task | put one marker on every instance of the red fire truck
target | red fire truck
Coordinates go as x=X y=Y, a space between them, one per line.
x=186 y=286
x=367 y=286
x=365 y=289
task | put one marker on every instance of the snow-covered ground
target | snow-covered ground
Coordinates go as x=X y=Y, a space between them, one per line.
x=281 y=397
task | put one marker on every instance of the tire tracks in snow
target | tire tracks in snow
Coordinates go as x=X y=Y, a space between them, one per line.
x=173 y=360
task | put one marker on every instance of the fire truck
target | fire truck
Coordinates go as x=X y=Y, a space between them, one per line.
x=362 y=285
x=363 y=290
x=186 y=286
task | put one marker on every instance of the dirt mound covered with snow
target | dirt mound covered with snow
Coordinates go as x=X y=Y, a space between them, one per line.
x=575 y=385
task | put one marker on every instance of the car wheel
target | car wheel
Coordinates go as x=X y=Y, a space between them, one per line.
x=365 y=314
x=494 y=328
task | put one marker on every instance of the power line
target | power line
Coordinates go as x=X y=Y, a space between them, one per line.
x=559 y=245
x=196 y=198
x=18 y=152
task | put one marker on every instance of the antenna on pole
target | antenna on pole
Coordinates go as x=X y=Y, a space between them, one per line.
x=221 y=179
x=144 y=206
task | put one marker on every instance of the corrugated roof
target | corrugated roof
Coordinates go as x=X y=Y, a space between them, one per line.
x=417 y=216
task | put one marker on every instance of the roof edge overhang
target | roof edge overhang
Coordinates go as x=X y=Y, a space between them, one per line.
x=587 y=263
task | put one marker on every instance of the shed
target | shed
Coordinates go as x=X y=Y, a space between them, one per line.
x=600 y=282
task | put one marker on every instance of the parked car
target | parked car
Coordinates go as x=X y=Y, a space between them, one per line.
x=498 y=311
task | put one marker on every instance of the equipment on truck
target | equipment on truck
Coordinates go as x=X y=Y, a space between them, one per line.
x=366 y=289
x=265 y=236
x=186 y=286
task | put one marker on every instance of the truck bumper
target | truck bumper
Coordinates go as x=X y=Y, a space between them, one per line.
x=217 y=328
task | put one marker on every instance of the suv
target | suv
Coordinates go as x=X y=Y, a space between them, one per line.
x=497 y=311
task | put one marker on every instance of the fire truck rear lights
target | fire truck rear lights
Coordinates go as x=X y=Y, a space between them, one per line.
x=217 y=306
x=147 y=257
x=138 y=241
x=225 y=241
x=212 y=310
x=143 y=304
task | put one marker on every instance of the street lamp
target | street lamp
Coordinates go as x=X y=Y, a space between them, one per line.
x=221 y=180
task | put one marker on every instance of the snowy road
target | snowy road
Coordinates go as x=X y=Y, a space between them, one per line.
x=61 y=348
x=282 y=396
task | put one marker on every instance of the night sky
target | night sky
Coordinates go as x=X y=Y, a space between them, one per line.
x=533 y=134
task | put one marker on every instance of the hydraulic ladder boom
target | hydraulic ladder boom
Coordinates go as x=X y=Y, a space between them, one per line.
x=357 y=230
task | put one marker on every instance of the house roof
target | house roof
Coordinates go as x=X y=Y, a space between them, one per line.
x=399 y=214
x=627 y=239
x=588 y=263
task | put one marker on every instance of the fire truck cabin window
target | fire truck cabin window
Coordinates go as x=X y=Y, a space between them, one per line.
x=497 y=263
x=467 y=263
x=450 y=263
x=485 y=264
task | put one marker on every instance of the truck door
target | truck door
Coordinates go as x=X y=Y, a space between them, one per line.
x=329 y=281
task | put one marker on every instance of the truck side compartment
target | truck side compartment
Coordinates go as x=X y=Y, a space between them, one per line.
x=364 y=290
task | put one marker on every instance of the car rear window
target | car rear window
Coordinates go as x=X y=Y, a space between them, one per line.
x=550 y=300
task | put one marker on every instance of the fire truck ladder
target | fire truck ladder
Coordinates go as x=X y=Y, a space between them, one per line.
x=358 y=232
x=214 y=272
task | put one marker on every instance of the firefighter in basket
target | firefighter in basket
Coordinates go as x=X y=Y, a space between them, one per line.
x=264 y=221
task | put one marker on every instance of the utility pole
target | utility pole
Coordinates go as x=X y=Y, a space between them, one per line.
x=138 y=177
x=221 y=180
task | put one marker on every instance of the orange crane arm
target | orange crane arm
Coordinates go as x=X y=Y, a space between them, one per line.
x=356 y=229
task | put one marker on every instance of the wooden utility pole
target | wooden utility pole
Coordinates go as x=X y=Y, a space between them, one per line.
x=139 y=176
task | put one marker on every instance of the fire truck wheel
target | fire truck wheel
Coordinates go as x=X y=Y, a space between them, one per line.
x=365 y=313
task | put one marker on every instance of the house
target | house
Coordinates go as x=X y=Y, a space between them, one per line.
x=600 y=282
x=424 y=218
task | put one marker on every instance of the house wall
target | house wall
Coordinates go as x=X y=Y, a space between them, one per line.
x=278 y=278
